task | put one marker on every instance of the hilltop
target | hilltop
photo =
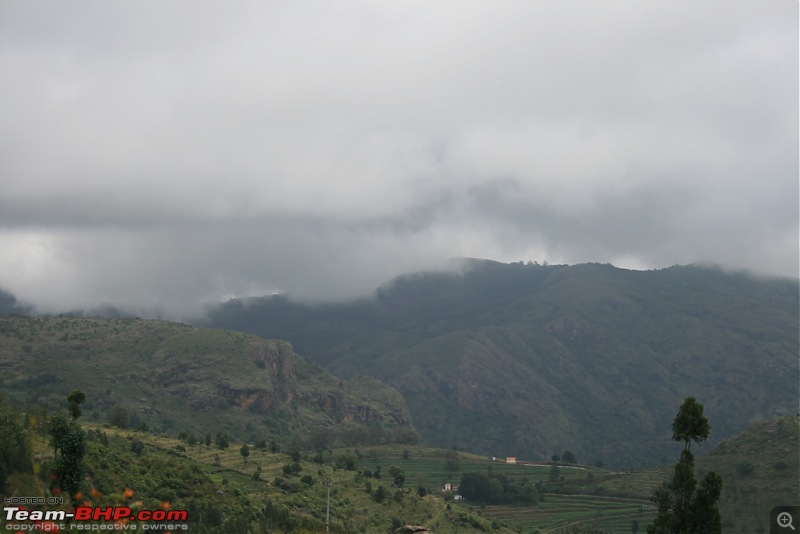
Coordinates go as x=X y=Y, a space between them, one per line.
x=530 y=360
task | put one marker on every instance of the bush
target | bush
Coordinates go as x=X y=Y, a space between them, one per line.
x=119 y=417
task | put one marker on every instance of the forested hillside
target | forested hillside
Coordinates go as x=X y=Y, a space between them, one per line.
x=529 y=360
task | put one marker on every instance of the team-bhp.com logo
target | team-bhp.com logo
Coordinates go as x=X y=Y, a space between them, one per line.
x=19 y=519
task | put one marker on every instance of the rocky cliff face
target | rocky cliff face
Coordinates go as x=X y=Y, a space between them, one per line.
x=276 y=385
x=175 y=377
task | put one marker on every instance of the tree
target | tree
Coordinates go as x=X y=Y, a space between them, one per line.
x=207 y=440
x=75 y=399
x=15 y=451
x=119 y=417
x=690 y=424
x=683 y=506
x=397 y=475
x=57 y=428
x=69 y=443
x=347 y=461
x=569 y=457
x=245 y=452
x=68 y=466
x=221 y=441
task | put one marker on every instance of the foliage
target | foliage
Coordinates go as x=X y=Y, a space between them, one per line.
x=347 y=461
x=74 y=400
x=496 y=488
x=683 y=506
x=690 y=424
x=119 y=417
x=398 y=475
x=69 y=443
x=221 y=440
x=15 y=451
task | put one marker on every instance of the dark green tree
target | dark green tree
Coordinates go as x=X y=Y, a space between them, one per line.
x=398 y=476
x=690 y=424
x=569 y=457
x=222 y=441
x=245 y=452
x=119 y=417
x=69 y=443
x=57 y=428
x=15 y=451
x=74 y=400
x=347 y=461
x=684 y=507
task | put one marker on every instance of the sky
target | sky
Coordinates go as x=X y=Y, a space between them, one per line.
x=163 y=155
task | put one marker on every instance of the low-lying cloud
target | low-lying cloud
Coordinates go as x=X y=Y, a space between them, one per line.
x=158 y=156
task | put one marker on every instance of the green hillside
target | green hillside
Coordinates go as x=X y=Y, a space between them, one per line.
x=224 y=493
x=172 y=377
x=528 y=360
x=273 y=491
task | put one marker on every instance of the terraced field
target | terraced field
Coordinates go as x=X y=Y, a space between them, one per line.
x=557 y=512
x=581 y=496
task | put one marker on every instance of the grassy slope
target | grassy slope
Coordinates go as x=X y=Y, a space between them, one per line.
x=222 y=495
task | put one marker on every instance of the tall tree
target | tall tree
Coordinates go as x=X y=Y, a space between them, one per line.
x=683 y=507
x=75 y=399
x=69 y=443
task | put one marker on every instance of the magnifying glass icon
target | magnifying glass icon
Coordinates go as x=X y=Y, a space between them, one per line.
x=785 y=520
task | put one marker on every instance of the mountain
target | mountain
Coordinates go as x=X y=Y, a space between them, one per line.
x=10 y=306
x=530 y=360
x=173 y=377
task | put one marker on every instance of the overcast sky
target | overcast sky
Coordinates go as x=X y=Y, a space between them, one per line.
x=165 y=154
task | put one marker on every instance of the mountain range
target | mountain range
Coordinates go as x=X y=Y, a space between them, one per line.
x=531 y=360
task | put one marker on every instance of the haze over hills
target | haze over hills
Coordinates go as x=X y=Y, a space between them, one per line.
x=530 y=360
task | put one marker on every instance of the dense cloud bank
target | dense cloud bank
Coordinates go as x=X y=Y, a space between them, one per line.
x=162 y=155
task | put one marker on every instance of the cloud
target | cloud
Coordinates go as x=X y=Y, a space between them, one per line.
x=161 y=155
